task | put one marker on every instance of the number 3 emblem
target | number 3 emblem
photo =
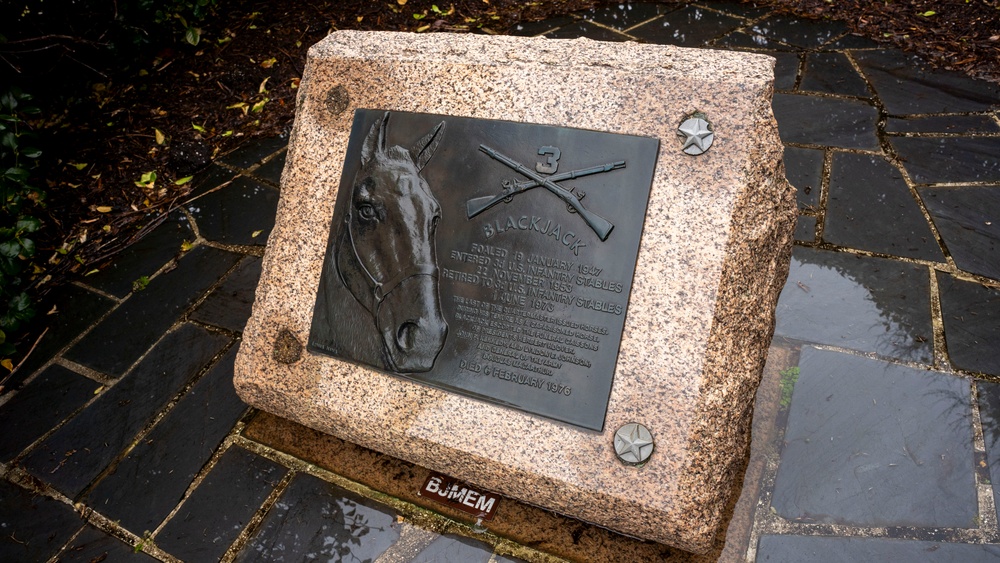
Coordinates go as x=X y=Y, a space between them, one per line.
x=551 y=163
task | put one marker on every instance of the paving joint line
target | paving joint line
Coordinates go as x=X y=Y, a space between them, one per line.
x=202 y=473
x=254 y=523
x=423 y=517
x=162 y=413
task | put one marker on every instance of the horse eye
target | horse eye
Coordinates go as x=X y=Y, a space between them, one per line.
x=366 y=211
x=434 y=222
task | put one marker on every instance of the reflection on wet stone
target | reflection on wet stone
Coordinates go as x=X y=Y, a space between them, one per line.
x=454 y=548
x=865 y=304
x=314 y=519
x=688 y=27
x=905 y=87
x=949 y=159
x=804 y=170
x=832 y=73
x=989 y=414
x=870 y=207
x=624 y=16
x=870 y=443
x=971 y=314
x=845 y=123
x=797 y=31
x=968 y=219
x=793 y=549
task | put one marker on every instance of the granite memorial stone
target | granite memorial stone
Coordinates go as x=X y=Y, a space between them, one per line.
x=545 y=268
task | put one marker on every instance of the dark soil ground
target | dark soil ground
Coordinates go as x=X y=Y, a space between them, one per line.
x=186 y=105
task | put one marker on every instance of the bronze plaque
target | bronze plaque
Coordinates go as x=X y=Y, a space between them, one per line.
x=488 y=258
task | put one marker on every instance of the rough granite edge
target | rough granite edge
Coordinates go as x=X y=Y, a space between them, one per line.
x=769 y=254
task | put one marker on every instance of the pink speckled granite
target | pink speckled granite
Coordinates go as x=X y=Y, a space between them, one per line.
x=713 y=258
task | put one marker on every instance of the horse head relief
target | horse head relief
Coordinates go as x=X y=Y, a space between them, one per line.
x=386 y=253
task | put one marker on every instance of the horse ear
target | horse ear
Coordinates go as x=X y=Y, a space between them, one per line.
x=375 y=141
x=424 y=149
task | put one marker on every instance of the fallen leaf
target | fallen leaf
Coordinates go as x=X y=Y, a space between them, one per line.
x=7 y=364
x=198 y=128
x=183 y=180
x=78 y=166
x=263 y=86
x=928 y=13
x=103 y=209
x=269 y=63
x=255 y=234
x=186 y=245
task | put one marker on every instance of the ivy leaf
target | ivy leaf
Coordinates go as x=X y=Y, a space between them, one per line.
x=29 y=247
x=28 y=224
x=192 y=35
x=10 y=249
x=31 y=152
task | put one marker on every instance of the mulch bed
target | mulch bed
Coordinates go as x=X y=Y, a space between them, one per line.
x=188 y=105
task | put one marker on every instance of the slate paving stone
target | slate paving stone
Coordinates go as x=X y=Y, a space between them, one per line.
x=454 y=548
x=93 y=545
x=690 y=26
x=624 y=16
x=786 y=70
x=950 y=159
x=144 y=257
x=971 y=314
x=870 y=207
x=958 y=124
x=229 y=305
x=213 y=177
x=804 y=170
x=844 y=123
x=968 y=219
x=240 y=213
x=40 y=406
x=530 y=29
x=222 y=505
x=798 y=32
x=905 y=85
x=832 y=73
x=814 y=549
x=745 y=40
x=989 y=415
x=254 y=151
x=749 y=10
x=870 y=443
x=585 y=29
x=859 y=303
x=124 y=335
x=271 y=170
x=322 y=521
x=805 y=229
x=150 y=481
x=71 y=311
x=33 y=527
x=75 y=454
x=851 y=41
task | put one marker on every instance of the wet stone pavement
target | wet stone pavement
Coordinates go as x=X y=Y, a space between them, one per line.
x=877 y=426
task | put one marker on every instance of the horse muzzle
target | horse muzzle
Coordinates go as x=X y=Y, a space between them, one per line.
x=413 y=329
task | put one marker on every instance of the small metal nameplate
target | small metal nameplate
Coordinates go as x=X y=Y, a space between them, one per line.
x=456 y=494
x=488 y=258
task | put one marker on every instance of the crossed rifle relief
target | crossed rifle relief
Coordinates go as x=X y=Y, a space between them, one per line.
x=601 y=226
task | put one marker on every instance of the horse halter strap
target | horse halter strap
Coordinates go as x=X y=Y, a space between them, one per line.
x=381 y=289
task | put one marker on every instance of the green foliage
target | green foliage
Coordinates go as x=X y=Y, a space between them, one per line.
x=789 y=377
x=179 y=13
x=17 y=222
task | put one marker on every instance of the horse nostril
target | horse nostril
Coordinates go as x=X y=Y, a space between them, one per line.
x=406 y=335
